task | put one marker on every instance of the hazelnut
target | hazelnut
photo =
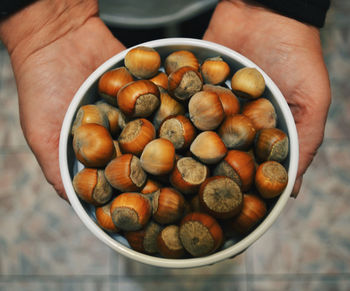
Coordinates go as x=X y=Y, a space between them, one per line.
x=179 y=130
x=93 y=145
x=237 y=132
x=139 y=98
x=208 y=147
x=248 y=83
x=110 y=83
x=271 y=179
x=239 y=166
x=220 y=197
x=145 y=239
x=200 y=234
x=261 y=112
x=130 y=211
x=92 y=187
x=158 y=157
x=188 y=174
x=168 y=206
x=104 y=218
x=136 y=135
x=215 y=70
x=205 y=110
x=125 y=173
x=143 y=62
x=169 y=244
x=271 y=144
x=178 y=59
x=184 y=83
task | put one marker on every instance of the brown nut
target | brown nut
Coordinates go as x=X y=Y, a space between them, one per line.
x=239 y=166
x=168 y=107
x=220 y=197
x=237 y=132
x=92 y=187
x=214 y=70
x=116 y=118
x=261 y=112
x=136 y=135
x=169 y=244
x=90 y=114
x=150 y=187
x=168 y=206
x=161 y=80
x=125 y=173
x=248 y=83
x=104 y=218
x=205 y=110
x=145 y=239
x=271 y=144
x=93 y=145
x=208 y=147
x=143 y=62
x=178 y=59
x=188 y=174
x=158 y=157
x=271 y=179
x=253 y=211
x=139 y=98
x=184 y=83
x=200 y=234
x=179 y=130
x=130 y=211
x=229 y=101
x=110 y=83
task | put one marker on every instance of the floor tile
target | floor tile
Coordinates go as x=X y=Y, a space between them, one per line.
x=53 y=284
x=43 y=234
x=311 y=235
x=182 y=284
x=297 y=283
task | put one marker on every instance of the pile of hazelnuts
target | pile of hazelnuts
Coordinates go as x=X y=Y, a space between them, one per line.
x=175 y=160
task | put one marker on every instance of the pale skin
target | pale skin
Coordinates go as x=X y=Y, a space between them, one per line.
x=55 y=44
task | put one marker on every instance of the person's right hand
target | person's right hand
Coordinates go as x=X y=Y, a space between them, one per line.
x=290 y=53
x=54 y=46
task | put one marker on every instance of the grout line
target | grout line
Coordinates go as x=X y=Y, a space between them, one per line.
x=244 y=277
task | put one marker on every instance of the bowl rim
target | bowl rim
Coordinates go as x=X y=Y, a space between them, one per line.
x=221 y=255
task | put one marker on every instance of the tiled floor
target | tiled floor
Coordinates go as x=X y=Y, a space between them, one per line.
x=308 y=248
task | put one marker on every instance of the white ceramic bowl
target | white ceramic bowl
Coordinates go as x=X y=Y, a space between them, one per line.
x=87 y=94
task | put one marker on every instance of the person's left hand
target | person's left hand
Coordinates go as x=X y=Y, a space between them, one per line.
x=290 y=53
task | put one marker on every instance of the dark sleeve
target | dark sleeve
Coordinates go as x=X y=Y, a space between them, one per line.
x=309 y=11
x=8 y=7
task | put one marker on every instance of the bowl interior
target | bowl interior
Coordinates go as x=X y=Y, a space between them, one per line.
x=87 y=94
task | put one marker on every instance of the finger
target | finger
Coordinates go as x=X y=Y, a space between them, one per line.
x=297 y=186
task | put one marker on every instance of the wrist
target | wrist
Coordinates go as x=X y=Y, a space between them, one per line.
x=41 y=23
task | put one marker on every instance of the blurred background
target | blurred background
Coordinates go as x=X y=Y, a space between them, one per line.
x=44 y=245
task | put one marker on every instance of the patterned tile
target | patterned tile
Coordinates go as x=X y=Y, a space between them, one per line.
x=179 y=284
x=300 y=283
x=43 y=235
x=311 y=234
x=54 y=284
x=336 y=48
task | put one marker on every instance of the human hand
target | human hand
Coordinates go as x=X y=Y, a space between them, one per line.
x=290 y=53
x=54 y=46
